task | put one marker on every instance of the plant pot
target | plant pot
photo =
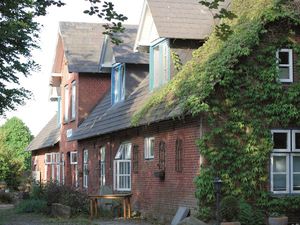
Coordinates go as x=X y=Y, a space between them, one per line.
x=160 y=174
x=280 y=220
x=230 y=223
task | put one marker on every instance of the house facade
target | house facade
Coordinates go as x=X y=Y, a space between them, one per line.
x=157 y=159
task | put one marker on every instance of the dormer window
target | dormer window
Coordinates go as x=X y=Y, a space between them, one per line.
x=118 y=83
x=159 y=64
x=285 y=64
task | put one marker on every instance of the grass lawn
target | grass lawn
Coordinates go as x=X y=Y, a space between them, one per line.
x=10 y=217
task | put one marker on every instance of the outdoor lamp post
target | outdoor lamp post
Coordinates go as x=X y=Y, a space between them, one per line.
x=217 y=187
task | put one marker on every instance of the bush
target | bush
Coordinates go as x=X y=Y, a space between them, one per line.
x=250 y=215
x=32 y=206
x=6 y=198
x=229 y=208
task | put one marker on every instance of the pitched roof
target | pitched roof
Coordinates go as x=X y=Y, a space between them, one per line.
x=106 y=118
x=124 y=52
x=47 y=137
x=82 y=45
x=182 y=19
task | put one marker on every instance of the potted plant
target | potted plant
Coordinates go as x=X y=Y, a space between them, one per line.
x=230 y=209
x=277 y=218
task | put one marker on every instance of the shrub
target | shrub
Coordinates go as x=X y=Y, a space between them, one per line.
x=229 y=208
x=6 y=197
x=250 y=215
x=32 y=206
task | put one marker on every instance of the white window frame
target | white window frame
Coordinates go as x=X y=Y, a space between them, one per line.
x=289 y=65
x=85 y=167
x=46 y=159
x=292 y=173
x=63 y=168
x=57 y=167
x=288 y=140
x=102 y=166
x=73 y=106
x=66 y=114
x=294 y=132
x=147 y=148
x=123 y=157
x=286 y=172
x=118 y=83
x=72 y=161
x=162 y=63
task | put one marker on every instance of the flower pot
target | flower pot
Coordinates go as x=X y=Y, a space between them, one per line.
x=230 y=223
x=280 y=220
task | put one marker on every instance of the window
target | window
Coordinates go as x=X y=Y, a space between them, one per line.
x=122 y=168
x=149 y=148
x=66 y=116
x=73 y=158
x=135 y=159
x=102 y=166
x=161 y=155
x=118 y=83
x=85 y=168
x=178 y=155
x=73 y=100
x=48 y=158
x=159 y=64
x=285 y=162
x=57 y=162
x=63 y=168
x=285 y=64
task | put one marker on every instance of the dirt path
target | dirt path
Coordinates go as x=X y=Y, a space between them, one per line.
x=8 y=216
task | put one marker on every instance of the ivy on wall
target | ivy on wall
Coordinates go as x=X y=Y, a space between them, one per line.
x=233 y=83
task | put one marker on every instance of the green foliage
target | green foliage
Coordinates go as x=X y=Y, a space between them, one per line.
x=233 y=84
x=176 y=61
x=32 y=206
x=14 y=160
x=5 y=197
x=66 y=195
x=249 y=215
x=229 y=208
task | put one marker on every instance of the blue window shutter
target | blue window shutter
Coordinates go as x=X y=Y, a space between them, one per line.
x=151 y=69
x=112 y=85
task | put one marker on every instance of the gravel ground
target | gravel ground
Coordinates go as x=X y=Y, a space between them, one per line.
x=8 y=216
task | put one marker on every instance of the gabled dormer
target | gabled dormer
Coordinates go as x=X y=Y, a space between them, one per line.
x=128 y=68
x=168 y=27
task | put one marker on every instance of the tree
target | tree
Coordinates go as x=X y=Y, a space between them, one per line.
x=14 y=137
x=19 y=33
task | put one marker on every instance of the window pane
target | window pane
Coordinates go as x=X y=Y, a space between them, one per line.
x=283 y=58
x=296 y=182
x=296 y=163
x=297 y=140
x=279 y=164
x=280 y=140
x=284 y=73
x=279 y=182
x=151 y=147
x=156 y=66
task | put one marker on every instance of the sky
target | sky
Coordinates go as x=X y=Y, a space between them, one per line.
x=39 y=110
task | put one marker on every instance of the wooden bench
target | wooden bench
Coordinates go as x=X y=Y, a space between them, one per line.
x=124 y=197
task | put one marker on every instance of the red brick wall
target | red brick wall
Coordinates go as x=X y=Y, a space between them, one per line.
x=150 y=195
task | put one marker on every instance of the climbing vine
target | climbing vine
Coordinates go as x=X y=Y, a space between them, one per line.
x=233 y=84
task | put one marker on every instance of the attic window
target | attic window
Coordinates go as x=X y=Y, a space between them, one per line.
x=159 y=64
x=118 y=83
x=285 y=64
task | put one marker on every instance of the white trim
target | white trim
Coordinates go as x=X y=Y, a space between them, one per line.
x=46 y=159
x=63 y=167
x=147 y=148
x=102 y=166
x=292 y=173
x=288 y=149
x=286 y=172
x=294 y=132
x=72 y=161
x=289 y=65
x=85 y=167
x=73 y=101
